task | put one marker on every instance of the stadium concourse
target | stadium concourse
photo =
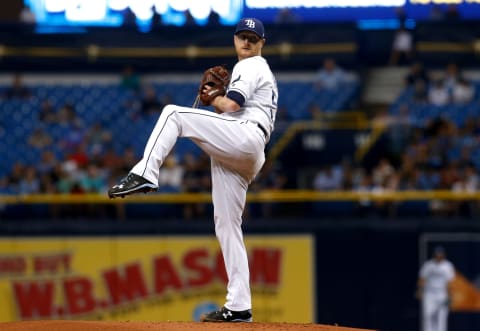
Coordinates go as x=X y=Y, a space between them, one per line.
x=163 y=326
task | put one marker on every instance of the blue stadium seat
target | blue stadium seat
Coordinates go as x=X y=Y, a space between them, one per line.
x=106 y=104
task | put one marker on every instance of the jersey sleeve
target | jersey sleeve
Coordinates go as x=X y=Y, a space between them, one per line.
x=244 y=78
x=450 y=272
x=423 y=271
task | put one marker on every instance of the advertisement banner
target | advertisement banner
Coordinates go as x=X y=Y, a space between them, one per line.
x=161 y=278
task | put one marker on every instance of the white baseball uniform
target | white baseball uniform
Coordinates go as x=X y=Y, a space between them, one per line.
x=236 y=143
x=436 y=276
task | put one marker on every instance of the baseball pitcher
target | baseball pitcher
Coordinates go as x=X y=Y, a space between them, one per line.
x=234 y=136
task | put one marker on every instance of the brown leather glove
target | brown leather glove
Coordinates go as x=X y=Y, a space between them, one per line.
x=218 y=79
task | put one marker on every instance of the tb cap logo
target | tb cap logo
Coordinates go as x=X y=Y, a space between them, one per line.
x=250 y=23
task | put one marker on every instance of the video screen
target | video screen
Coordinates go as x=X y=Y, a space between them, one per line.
x=58 y=14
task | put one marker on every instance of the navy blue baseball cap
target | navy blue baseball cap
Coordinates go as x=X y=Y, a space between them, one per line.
x=439 y=250
x=251 y=24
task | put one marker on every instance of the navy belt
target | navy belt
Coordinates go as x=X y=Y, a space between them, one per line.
x=263 y=130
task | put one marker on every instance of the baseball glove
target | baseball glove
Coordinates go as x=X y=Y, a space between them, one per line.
x=218 y=79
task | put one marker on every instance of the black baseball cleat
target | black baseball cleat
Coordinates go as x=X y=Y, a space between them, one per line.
x=131 y=184
x=227 y=315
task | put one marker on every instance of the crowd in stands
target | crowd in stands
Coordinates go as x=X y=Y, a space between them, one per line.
x=83 y=160
x=436 y=154
x=437 y=157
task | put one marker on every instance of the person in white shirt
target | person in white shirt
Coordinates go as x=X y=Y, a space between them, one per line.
x=438 y=94
x=402 y=47
x=463 y=91
x=434 y=289
x=330 y=76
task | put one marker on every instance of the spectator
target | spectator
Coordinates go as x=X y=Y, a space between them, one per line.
x=17 y=90
x=417 y=73
x=468 y=180
x=51 y=178
x=150 y=103
x=68 y=176
x=47 y=113
x=130 y=79
x=438 y=94
x=192 y=182
x=420 y=92
x=331 y=76
x=402 y=47
x=98 y=138
x=129 y=159
x=347 y=174
x=463 y=92
x=47 y=163
x=271 y=177
x=15 y=177
x=364 y=206
x=409 y=178
x=111 y=160
x=382 y=171
x=30 y=182
x=389 y=184
x=67 y=117
x=73 y=136
x=39 y=138
x=47 y=186
x=328 y=179
x=428 y=179
x=452 y=75
x=170 y=175
x=93 y=180
x=79 y=156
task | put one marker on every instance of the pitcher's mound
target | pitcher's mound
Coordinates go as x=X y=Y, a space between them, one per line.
x=163 y=326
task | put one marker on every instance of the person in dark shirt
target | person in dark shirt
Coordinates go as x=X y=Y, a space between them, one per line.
x=17 y=90
x=417 y=74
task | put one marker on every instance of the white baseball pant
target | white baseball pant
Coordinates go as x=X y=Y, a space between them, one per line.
x=236 y=148
x=434 y=312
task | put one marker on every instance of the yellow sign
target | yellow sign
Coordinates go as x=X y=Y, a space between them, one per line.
x=150 y=278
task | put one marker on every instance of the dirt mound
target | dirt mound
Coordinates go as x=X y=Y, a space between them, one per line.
x=162 y=326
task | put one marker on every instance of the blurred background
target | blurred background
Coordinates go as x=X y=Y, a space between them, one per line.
x=374 y=160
